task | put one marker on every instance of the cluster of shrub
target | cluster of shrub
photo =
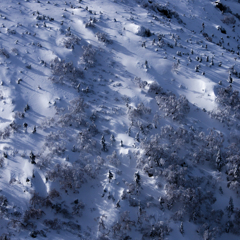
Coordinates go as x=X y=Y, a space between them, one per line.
x=161 y=9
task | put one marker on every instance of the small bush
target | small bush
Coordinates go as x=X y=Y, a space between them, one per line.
x=78 y=208
x=164 y=10
x=155 y=88
x=15 y=50
x=69 y=176
x=228 y=97
x=176 y=108
x=158 y=230
x=53 y=194
x=1 y=162
x=4 y=52
x=140 y=83
x=11 y=129
x=5 y=236
x=60 y=67
x=33 y=213
x=229 y=20
x=86 y=142
x=144 y=32
x=113 y=159
x=11 y=31
x=65 y=70
x=55 y=224
x=139 y=111
x=71 y=41
x=5 y=133
x=88 y=56
x=103 y=37
x=77 y=106
x=90 y=23
x=222 y=7
x=38 y=201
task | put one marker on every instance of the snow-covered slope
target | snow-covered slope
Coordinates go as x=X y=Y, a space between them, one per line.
x=119 y=119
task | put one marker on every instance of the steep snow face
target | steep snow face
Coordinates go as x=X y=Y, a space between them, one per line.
x=119 y=119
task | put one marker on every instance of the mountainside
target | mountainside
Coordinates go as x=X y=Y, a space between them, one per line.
x=120 y=119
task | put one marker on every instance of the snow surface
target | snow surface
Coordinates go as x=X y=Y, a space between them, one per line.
x=112 y=94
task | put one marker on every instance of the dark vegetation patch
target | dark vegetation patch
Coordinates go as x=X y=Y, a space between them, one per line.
x=222 y=7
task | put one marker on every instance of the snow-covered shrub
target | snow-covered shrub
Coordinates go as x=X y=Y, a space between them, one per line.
x=123 y=225
x=175 y=67
x=237 y=16
x=57 y=148
x=19 y=115
x=223 y=8
x=228 y=97
x=103 y=37
x=71 y=227
x=1 y=162
x=179 y=53
x=68 y=176
x=155 y=88
x=233 y=166
x=47 y=122
x=103 y=230
x=32 y=213
x=229 y=20
x=143 y=32
x=140 y=83
x=3 y=200
x=65 y=70
x=236 y=221
x=208 y=38
x=5 y=236
x=11 y=31
x=139 y=111
x=163 y=10
x=90 y=23
x=222 y=29
x=86 y=142
x=92 y=129
x=91 y=170
x=70 y=119
x=207 y=231
x=176 y=108
x=222 y=115
x=77 y=106
x=38 y=201
x=11 y=129
x=229 y=109
x=44 y=160
x=158 y=230
x=53 y=193
x=170 y=44
x=133 y=202
x=75 y=115
x=88 y=56
x=154 y=151
x=4 y=52
x=55 y=224
x=78 y=208
x=209 y=150
x=15 y=50
x=71 y=41
x=113 y=159
x=35 y=233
